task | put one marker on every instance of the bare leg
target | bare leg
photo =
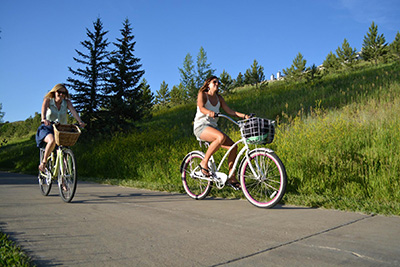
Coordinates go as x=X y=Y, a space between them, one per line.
x=51 y=143
x=217 y=139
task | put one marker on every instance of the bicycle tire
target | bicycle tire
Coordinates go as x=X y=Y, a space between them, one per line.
x=45 y=179
x=67 y=181
x=269 y=186
x=194 y=187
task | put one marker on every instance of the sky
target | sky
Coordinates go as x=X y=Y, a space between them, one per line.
x=38 y=39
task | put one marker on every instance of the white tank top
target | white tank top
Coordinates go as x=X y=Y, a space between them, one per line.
x=201 y=119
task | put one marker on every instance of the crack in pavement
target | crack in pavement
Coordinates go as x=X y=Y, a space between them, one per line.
x=294 y=241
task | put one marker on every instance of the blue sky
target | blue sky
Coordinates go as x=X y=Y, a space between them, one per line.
x=39 y=38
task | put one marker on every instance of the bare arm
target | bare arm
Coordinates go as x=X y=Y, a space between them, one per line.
x=45 y=106
x=201 y=101
x=75 y=114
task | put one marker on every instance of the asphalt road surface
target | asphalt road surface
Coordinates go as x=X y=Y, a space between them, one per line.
x=118 y=226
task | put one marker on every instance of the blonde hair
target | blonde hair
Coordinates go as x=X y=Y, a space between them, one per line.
x=207 y=83
x=53 y=91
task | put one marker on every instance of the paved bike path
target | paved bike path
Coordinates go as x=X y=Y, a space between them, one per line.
x=118 y=226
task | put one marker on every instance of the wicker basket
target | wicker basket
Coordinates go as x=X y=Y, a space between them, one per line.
x=66 y=134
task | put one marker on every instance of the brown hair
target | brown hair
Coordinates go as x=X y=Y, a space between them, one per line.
x=207 y=83
x=53 y=91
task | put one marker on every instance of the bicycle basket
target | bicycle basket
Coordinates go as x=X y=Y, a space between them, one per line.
x=257 y=130
x=66 y=134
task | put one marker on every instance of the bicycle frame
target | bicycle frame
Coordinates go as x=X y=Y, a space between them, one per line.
x=58 y=166
x=244 y=150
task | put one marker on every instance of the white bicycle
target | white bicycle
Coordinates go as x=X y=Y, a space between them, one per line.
x=261 y=173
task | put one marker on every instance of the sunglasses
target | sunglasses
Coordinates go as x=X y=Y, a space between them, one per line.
x=61 y=92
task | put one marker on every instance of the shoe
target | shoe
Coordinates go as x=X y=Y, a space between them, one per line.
x=234 y=184
x=206 y=172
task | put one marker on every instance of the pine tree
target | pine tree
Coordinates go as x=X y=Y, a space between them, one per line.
x=255 y=74
x=188 y=77
x=1 y=113
x=346 y=54
x=296 y=70
x=203 y=68
x=331 y=62
x=395 y=47
x=90 y=89
x=124 y=101
x=163 y=96
x=178 y=94
x=239 y=80
x=226 y=82
x=374 y=46
x=147 y=98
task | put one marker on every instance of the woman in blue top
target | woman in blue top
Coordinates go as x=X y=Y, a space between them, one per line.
x=205 y=125
x=54 y=108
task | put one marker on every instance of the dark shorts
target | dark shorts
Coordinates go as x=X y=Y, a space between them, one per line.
x=41 y=134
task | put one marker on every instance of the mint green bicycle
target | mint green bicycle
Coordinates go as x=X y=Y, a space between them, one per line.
x=61 y=165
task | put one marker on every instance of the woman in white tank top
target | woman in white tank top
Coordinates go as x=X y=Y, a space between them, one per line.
x=205 y=125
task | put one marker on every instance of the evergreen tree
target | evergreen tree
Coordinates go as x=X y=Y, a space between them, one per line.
x=178 y=94
x=188 y=77
x=226 y=82
x=346 y=54
x=90 y=89
x=163 y=96
x=295 y=72
x=239 y=80
x=331 y=62
x=374 y=46
x=147 y=98
x=255 y=74
x=395 y=47
x=124 y=101
x=203 y=69
x=1 y=113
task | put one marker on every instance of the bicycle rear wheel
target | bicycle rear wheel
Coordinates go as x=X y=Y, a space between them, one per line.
x=196 y=188
x=265 y=185
x=67 y=177
x=45 y=178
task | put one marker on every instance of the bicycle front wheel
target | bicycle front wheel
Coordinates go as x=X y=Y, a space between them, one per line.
x=263 y=178
x=67 y=177
x=196 y=188
x=45 y=178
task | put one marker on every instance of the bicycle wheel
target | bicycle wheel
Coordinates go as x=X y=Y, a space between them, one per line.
x=265 y=185
x=45 y=178
x=67 y=176
x=196 y=188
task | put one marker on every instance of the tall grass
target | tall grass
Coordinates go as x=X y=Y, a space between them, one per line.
x=338 y=138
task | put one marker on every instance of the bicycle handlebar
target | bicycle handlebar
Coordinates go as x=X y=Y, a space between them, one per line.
x=229 y=118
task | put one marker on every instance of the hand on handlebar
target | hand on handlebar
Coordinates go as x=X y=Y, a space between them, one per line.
x=212 y=114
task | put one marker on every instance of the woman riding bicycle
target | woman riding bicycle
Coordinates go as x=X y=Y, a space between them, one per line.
x=206 y=127
x=54 y=108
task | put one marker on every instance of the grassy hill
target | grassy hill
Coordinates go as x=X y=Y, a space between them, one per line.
x=338 y=137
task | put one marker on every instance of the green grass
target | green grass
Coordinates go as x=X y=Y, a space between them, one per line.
x=338 y=137
x=12 y=255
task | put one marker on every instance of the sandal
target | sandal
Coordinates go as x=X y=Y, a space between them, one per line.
x=234 y=184
x=205 y=171
x=42 y=167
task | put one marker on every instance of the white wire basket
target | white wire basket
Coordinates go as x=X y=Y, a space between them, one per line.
x=257 y=130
